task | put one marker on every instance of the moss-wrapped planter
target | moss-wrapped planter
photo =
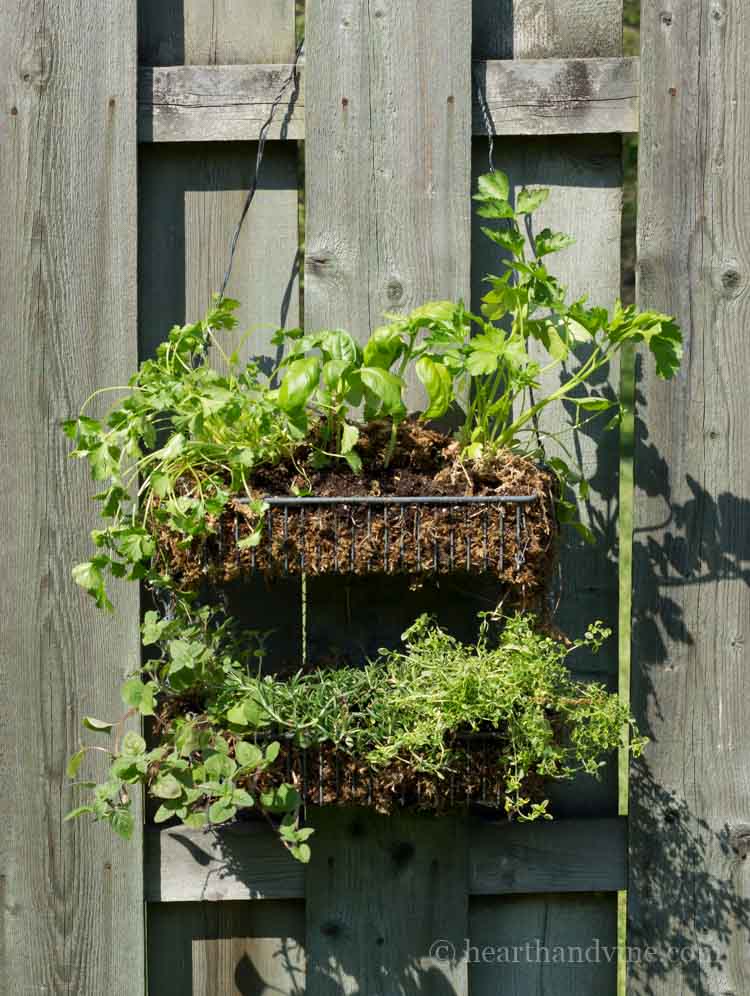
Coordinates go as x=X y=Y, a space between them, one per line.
x=427 y=513
x=325 y=776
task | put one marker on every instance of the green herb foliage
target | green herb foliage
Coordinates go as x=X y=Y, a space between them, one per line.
x=200 y=774
x=185 y=436
x=188 y=436
x=406 y=706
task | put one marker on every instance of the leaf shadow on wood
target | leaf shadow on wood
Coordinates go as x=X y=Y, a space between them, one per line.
x=702 y=541
x=686 y=906
x=683 y=917
x=246 y=948
x=381 y=893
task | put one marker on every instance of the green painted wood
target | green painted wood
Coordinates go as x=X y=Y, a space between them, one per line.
x=380 y=891
x=689 y=877
x=72 y=893
x=232 y=949
x=552 y=945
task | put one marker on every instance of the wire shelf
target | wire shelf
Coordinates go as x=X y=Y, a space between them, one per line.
x=378 y=534
x=325 y=776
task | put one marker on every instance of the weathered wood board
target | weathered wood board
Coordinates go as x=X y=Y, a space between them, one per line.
x=215 y=32
x=231 y=949
x=388 y=126
x=71 y=892
x=547 y=29
x=689 y=882
x=558 y=96
x=389 y=119
x=523 y=97
x=388 y=113
x=561 y=945
x=584 y=177
x=218 y=103
x=190 y=200
x=379 y=892
x=247 y=862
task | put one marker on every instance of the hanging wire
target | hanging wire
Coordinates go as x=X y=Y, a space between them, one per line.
x=166 y=599
x=488 y=125
x=291 y=80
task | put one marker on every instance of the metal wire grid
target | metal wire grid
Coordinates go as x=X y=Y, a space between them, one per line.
x=474 y=785
x=391 y=510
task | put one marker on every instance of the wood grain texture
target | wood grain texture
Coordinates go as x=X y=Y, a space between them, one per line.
x=190 y=201
x=215 y=32
x=532 y=97
x=379 y=892
x=388 y=112
x=558 y=96
x=72 y=893
x=551 y=945
x=232 y=949
x=690 y=882
x=387 y=156
x=247 y=862
x=547 y=29
x=584 y=175
x=564 y=856
x=217 y=103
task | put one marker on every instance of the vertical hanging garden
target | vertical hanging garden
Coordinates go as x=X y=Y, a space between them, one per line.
x=211 y=474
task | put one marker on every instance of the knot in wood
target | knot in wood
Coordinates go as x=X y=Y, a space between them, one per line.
x=739 y=840
x=666 y=18
x=728 y=278
x=394 y=290
x=320 y=261
x=35 y=63
x=402 y=851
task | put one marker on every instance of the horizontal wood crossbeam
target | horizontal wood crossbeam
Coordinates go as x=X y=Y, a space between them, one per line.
x=248 y=862
x=560 y=96
x=523 y=97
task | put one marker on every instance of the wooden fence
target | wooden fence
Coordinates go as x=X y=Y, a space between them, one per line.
x=124 y=167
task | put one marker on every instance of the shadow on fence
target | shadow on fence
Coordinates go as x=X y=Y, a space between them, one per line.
x=684 y=914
